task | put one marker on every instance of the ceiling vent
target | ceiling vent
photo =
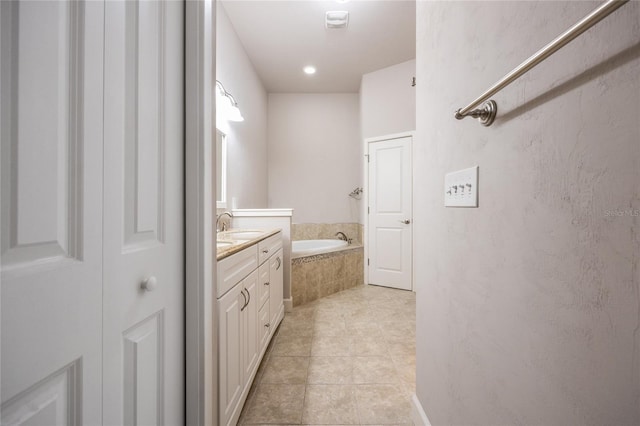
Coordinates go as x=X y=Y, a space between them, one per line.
x=337 y=19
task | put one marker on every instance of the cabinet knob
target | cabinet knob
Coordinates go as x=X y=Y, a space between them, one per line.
x=149 y=284
x=267 y=325
x=265 y=251
x=267 y=283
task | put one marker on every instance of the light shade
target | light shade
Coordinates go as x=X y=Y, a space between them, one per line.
x=233 y=113
x=226 y=105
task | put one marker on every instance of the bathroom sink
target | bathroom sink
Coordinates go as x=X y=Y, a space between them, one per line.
x=221 y=244
x=244 y=235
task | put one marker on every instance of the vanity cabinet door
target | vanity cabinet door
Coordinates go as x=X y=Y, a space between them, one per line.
x=230 y=334
x=276 y=284
x=251 y=339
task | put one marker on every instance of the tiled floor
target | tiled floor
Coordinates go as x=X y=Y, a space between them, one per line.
x=348 y=358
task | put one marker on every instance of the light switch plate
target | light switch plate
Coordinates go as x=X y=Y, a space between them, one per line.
x=461 y=188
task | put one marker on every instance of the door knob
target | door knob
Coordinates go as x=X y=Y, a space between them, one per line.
x=149 y=284
x=406 y=221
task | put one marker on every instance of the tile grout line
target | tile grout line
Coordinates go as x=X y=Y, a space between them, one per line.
x=370 y=304
x=306 y=382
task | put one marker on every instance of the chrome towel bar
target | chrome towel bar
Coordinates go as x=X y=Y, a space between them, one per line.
x=487 y=112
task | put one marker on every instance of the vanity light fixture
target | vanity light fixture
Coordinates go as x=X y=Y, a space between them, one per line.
x=226 y=105
x=309 y=69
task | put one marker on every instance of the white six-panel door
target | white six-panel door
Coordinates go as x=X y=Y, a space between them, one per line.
x=51 y=132
x=143 y=223
x=389 y=234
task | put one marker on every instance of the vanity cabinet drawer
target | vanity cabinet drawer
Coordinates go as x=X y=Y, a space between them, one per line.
x=232 y=269
x=263 y=284
x=267 y=247
x=264 y=327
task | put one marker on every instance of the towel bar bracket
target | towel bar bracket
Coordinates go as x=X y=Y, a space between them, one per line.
x=485 y=114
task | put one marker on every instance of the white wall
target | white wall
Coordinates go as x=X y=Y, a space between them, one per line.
x=315 y=157
x=388 y=101
x=247 y=140
x=528 y=308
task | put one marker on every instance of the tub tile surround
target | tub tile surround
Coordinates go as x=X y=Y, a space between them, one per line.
x=322 y=231
x=337 y=361
x=317 y=276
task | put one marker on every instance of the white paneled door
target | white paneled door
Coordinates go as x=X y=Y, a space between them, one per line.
x=389 y=223
x=143 y=351
x=51 y=136
x=92 y=288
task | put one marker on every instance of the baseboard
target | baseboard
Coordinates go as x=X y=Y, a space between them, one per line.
x=288 y=305
x=418 y=416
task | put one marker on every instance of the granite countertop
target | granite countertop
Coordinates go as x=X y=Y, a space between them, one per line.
x=235 y=240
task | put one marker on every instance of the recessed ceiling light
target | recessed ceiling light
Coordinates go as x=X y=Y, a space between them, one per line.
x=309 y=69
x=337 y=19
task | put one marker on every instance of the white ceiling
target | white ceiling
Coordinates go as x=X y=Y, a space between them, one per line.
x=281 y=37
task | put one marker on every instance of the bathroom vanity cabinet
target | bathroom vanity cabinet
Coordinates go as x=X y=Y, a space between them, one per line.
x=250 y=307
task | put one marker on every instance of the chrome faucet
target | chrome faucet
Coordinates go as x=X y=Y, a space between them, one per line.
x=342 y=236
x=224 y=224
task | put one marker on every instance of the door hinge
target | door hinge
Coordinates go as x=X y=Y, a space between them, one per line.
x=367 y=155
x=368 y=263
x=413 y=82
x=368 y=210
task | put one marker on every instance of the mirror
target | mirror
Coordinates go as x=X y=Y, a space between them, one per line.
x=221 y=170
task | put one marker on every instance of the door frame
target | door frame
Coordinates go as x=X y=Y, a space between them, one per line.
x=365 y=234
x=201 y=359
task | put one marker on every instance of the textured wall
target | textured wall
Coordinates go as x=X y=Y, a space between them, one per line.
x=528 y=308
x=388 y=101
x=247 y=140
x=315 y=157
